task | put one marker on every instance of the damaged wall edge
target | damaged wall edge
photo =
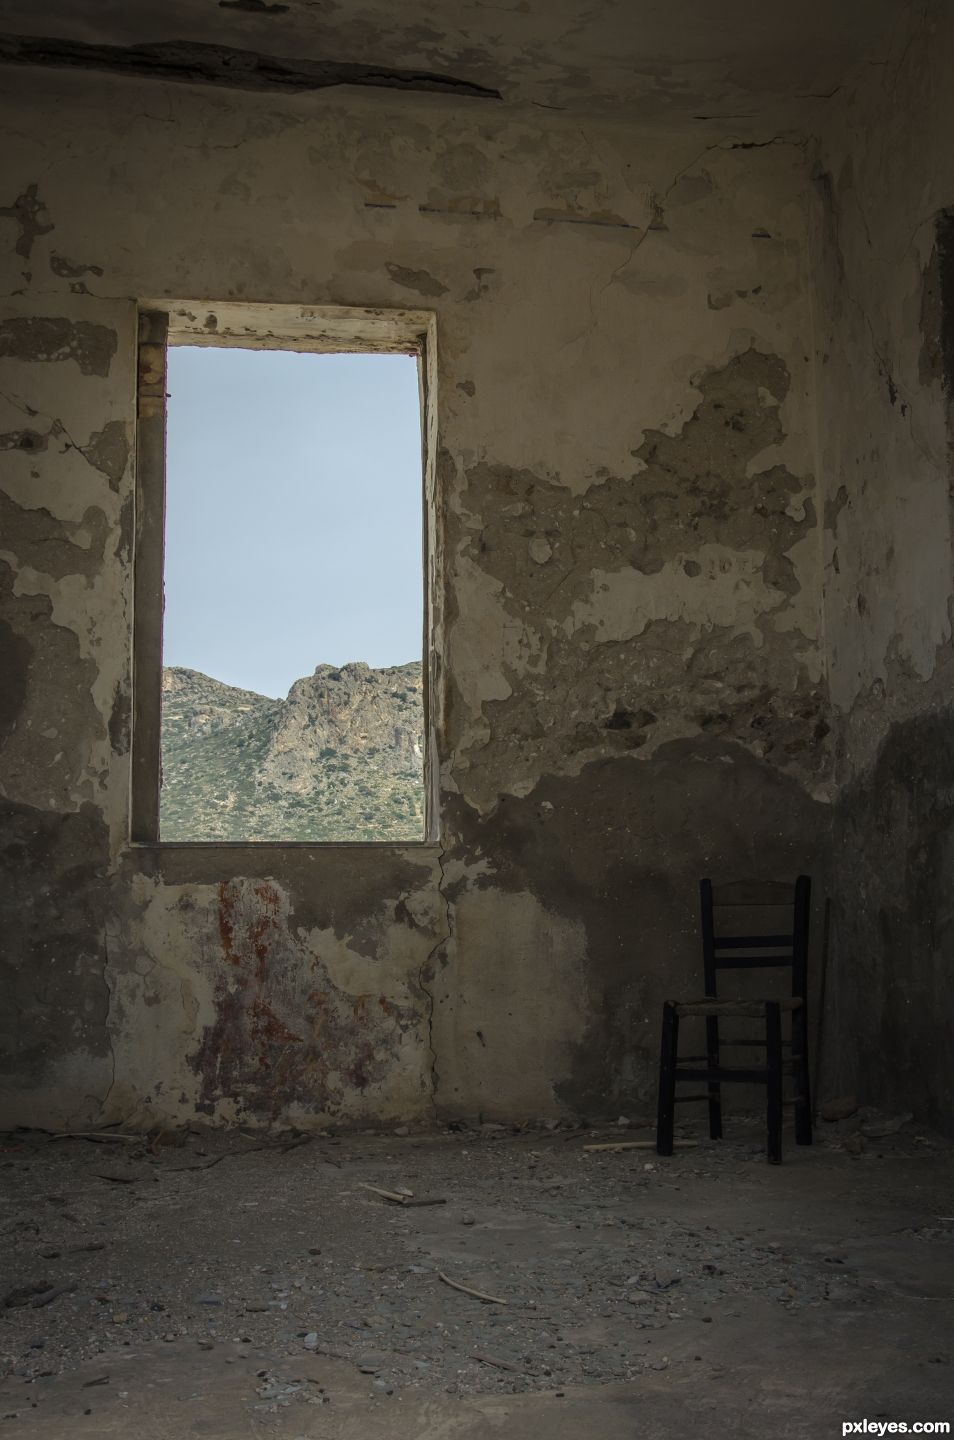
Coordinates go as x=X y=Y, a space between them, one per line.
x=192 y=63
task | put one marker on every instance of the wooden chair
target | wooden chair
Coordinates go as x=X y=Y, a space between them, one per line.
x=785 y=947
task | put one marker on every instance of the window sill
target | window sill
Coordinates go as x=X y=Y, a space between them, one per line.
x=269 y=846
x=377 y=867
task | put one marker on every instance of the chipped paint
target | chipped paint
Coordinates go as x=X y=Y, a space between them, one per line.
x=45 y=338
x=420 y=281
x=284 y=1035
x=627 y=639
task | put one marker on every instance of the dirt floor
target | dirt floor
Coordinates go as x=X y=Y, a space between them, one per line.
x=233 y=1286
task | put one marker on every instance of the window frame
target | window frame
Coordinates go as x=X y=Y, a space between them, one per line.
x=335 y=330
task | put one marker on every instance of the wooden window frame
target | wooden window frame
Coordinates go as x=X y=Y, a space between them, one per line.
x=315 y=329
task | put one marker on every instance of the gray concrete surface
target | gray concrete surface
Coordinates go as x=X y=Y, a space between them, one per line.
x=270 y=1294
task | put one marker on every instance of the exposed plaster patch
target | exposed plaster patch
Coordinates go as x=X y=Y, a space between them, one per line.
x=421 y=281
x=32 y=216
x=68 y=271
x=49 y=338
x=681 y=575
x=674 y=682
x=108 y=451
x=624 y=602
x=50 y=546
x=489 y=641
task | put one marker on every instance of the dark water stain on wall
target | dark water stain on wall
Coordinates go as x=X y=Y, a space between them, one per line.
x=55 y=899
x=14 y=663
x=894 y=920
x=944 y=309
x=621 y=848
x=32 y=217
x=50 y=682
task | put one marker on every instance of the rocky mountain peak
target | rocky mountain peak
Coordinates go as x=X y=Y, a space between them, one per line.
x=340 y=758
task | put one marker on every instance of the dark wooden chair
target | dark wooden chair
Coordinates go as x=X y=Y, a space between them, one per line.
x=786 y=946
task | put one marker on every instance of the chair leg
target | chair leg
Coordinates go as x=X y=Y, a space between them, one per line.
x=773 y=1057
x=715 y=1089
x=803 y=1104
x=668 y=1050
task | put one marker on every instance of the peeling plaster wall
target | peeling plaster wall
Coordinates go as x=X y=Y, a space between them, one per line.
x=684 y=59
x=885 y=330
x=631 y=690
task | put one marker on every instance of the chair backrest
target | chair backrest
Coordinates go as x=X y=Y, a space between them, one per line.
x=785 y=946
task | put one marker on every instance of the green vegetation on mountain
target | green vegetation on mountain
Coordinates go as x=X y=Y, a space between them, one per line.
x=339 y=759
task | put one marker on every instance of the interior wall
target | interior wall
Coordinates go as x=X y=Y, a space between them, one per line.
x=631 y=691
x=885 y=325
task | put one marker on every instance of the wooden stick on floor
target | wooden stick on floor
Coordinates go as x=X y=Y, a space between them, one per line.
x=467 y=1290
x=640 y=1145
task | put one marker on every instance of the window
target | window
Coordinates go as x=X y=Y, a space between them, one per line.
x=281 y=596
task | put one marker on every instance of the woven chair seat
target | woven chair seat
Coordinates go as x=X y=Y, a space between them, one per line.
x=747 y=1009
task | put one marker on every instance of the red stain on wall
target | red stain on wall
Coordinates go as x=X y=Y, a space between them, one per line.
x=283 y=1034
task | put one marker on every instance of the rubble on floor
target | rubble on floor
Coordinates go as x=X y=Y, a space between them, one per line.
x=461 y=1262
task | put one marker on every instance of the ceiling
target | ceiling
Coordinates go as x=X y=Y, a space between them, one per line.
x=744 y=60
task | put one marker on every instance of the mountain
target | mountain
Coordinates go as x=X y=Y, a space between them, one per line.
x=339 y=759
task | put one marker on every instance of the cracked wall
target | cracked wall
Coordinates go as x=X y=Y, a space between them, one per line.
x=630 y=684
x=885 y=328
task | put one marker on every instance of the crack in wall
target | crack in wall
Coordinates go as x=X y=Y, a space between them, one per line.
x=657 y=221
x=107 y=450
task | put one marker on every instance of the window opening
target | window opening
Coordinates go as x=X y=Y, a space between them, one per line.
x=292 y=683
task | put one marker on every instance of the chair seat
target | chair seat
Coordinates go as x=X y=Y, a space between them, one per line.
x=750 y=1009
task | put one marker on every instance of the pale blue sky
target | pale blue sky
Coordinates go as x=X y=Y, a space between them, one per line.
x=293 y=513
